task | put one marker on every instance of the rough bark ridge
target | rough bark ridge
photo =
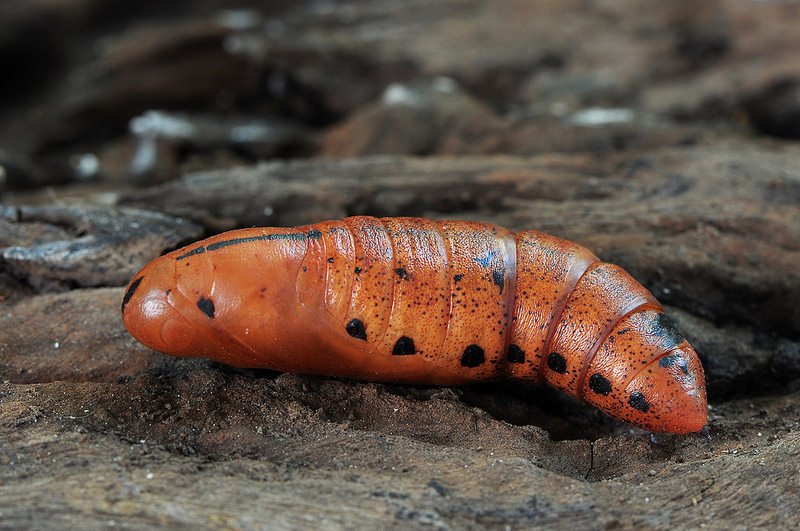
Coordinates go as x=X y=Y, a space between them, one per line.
x=660 y=136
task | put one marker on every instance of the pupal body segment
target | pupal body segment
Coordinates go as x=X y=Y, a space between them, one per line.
x=420 y=301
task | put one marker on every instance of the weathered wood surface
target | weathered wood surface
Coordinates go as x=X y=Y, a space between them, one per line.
x=635 y=129
x=57 y=247
x=410 y=456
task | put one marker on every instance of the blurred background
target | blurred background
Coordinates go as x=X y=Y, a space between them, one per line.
x=664 y=136
x=105 y=94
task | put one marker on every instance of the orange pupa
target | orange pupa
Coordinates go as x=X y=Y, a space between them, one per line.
x=419 y=301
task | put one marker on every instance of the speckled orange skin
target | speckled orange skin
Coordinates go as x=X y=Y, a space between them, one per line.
x=413 y=300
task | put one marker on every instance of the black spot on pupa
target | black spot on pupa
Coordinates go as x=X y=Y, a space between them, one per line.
x=313 y=234
x=457 y=278
x=404 y=347
x=515 y=354
x=330 y=260
x=357 y=270
x=667 y=361
x=402 y=273
x=557 y=363
x=637 y=401
x=473 y=356
x=356 y=329
x=599 y=384
x=499 y=279
x=206 y=306
x=129 y=293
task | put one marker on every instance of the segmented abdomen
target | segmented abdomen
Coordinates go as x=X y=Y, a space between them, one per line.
x=473 y=300
x=433 y=295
